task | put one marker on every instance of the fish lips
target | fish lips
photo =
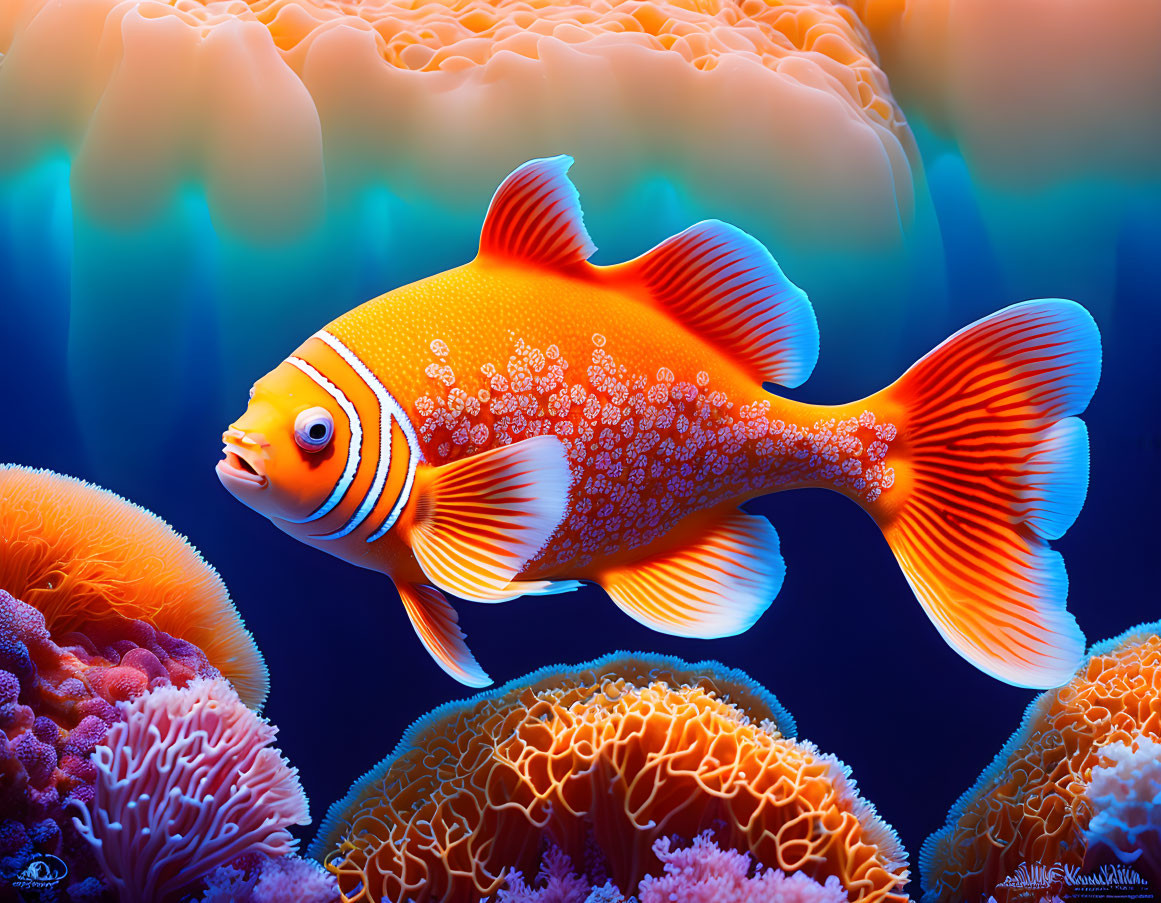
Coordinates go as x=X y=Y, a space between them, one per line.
x=241 y=468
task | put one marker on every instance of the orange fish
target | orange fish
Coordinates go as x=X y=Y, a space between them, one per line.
x=529 y=420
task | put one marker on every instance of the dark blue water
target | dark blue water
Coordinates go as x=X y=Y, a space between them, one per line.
x=845 y=646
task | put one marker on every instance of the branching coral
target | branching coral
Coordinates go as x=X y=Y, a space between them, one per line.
x=56 y=704
x=620 y=752
x=82 y=555
x=699 y=873
x=1031 y=806
x=188 y=782
x=1125 y=793
x=256 y=878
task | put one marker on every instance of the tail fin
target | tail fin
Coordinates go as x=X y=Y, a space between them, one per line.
x=992 y=466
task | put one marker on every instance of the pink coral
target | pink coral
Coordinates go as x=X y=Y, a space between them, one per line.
x=705 y=873
x=702 y=872
x=264 y=879
x=188 y=782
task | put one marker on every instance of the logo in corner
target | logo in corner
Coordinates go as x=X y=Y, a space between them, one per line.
x=44 y=872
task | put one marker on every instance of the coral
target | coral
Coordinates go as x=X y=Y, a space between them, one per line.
x=250 y=95
x=618 y=752
x=702 y=872
x=1125 y=793
x=56 y=705
x=187 y=782
x=265 y=879
x=82 y=555
x=705 y=873
x=1030 y=806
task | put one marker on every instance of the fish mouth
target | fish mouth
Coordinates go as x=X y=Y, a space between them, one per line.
x=242 y=463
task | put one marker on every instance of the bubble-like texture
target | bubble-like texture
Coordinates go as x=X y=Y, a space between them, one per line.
x=645 y=448
x=620 y=752
x=81 y=556
x=1031 y=805
x=57 y=702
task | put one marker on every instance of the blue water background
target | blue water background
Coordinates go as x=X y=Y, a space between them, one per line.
x=845 y=646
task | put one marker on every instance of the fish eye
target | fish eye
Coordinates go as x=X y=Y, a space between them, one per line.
x=313 y=429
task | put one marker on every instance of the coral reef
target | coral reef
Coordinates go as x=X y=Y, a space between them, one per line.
x=699 y=873
x=74 y=552
x=1125 y=793
x=618 y=752
x=1031 y=806
x=187 y=782
x=57 y=701
x=257 y=878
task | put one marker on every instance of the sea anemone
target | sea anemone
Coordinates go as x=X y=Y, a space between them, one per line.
x=618 y=752
x=56 y=705
x=187 y=782
x=82 y=555
x=1032 y=806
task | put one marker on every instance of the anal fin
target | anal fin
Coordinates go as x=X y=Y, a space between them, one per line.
x=717 y=586
x=437 y=627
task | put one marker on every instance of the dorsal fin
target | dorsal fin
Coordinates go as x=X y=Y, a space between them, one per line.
x=724 y=285
x=535 y=217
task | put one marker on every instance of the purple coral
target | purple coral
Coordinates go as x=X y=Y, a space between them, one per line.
x=56 y=705
x=1125 y=793
x=265 y=879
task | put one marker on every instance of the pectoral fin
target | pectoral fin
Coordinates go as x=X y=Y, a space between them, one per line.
x=479 y=520
x=717 y=586
x=437 y=626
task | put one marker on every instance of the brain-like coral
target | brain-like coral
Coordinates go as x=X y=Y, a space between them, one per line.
x=249 y=96
x=1031 y=806
x=618 y=753
x=189 y=781
x=56 y=704
x=1125 y=793
x=82 y=555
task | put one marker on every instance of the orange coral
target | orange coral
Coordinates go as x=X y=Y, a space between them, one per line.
x=80 y=554
x=620 y=751
x=1030 y=806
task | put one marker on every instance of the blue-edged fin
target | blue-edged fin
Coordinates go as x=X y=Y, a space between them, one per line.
x=479 y=520
x=724 y=286
x=518 y=588
x=992 y=464
x=535 y=217
x=438 y=628
x=717 y=586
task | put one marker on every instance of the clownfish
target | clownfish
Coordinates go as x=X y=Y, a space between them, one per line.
x=529 y=420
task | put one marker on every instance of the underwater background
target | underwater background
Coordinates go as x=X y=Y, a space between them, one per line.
x=128 y=343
